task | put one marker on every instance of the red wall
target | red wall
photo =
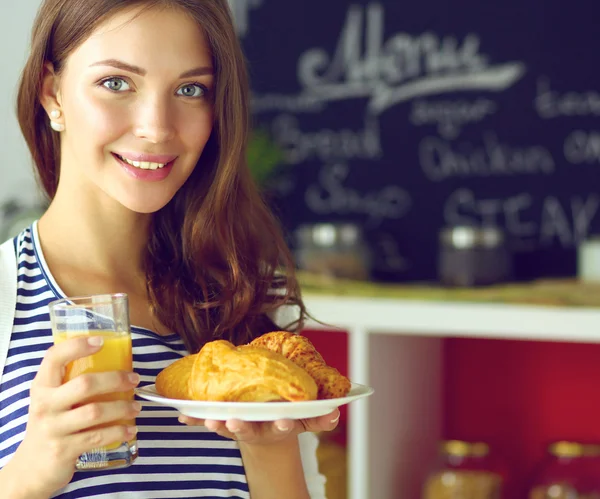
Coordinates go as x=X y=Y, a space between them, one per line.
x=519 y=396
x=333 y=346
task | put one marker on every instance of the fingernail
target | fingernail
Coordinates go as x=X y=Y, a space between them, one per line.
x=132 y=431
x=134 y=378
x=95 y=341
x=136 y=406
x=282 y=427
x=337 y=418
x=233 y=426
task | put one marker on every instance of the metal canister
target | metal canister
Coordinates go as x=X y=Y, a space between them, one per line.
x=333 y=249
x=473 y=256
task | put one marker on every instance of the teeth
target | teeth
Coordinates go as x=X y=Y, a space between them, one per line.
x=144 y=165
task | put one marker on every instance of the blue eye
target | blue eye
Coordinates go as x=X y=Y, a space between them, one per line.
x=192 y=90
x=115 y=84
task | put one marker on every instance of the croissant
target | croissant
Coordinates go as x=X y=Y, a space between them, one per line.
x=224 y=372
x=173 y=381
x=300 y=350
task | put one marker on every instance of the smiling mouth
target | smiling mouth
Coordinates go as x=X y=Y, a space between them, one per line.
x=142 y=165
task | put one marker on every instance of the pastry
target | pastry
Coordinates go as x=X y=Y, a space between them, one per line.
x=224 y=372
x=301 y=352
x=173 y=381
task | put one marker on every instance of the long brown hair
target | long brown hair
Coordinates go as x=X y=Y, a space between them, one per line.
x=217 y=265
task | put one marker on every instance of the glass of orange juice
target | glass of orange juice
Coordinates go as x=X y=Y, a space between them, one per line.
x=106 y=316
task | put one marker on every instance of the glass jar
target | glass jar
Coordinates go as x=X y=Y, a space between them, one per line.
x=334 y=250
x=570 y=471
x=465 y=470
x=473 y=256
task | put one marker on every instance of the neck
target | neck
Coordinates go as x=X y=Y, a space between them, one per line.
x=96 y=234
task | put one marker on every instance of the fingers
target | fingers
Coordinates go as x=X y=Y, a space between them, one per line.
x=95 y=414
x=223 y=428
x=266 y=432
x=283 y=426
x=254 y=432
x=52 y=368
x=191 y=421
x=91 y=385
x=101 y=437
x=323 y=423
x=219 y=427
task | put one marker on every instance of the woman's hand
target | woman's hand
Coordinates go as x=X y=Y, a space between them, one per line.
x=61 y=425
x=265 y=433
x=271 y=452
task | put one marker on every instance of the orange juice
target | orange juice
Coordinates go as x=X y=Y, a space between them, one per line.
x=106 y=316
x=115 y=355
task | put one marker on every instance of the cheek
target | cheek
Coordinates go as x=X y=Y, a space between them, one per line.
x=195 y=129
x=95 y=120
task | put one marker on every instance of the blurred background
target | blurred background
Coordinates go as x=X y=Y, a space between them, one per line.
x=435 y=166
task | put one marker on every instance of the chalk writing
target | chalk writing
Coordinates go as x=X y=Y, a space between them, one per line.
x=441 y=159
x=582 y=147
x=565 y=222
x=403 y=68
x=326 y=144
x=552 y=104
x=389 y=257
x=450 y=116
x=304 y=103
x=330 y=196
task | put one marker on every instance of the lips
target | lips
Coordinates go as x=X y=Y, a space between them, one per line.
x=149 y=171
x=144 y=165
x=147 y=158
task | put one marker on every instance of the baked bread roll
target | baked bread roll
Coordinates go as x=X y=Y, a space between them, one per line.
x=173 y=381
x=226 y=373
x=301 y=352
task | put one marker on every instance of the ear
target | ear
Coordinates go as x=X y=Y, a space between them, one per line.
x=50 y=95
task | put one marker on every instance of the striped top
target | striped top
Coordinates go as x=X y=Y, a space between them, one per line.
x=175 y=461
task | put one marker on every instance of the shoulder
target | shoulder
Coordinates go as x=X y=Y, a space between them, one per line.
x=17 y=257
x=17 y=242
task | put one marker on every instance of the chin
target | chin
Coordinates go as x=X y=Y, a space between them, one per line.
x=144 y=206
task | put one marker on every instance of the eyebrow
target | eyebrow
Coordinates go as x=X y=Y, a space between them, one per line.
x=115 y=63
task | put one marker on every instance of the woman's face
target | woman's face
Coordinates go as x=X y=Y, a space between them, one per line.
x=136 y=99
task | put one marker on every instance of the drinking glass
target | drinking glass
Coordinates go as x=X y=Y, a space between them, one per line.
x=106 y=316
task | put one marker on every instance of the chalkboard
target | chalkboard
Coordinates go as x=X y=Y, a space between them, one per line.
x=410 y=116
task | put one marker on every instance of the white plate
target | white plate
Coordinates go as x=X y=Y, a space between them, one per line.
x=255 y=411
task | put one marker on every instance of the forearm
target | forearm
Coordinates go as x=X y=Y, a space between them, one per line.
x=274 y=471
x=15 y=484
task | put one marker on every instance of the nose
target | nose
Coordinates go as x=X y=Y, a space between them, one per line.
x=154 y=121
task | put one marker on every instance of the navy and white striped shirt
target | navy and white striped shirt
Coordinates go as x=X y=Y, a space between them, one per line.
x=175 y=461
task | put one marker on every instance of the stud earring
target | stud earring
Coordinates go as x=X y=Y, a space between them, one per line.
x=57 y=127
x=54 y=115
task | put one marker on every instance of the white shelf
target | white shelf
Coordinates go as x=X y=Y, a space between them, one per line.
x=442 y=319
x=394 y=345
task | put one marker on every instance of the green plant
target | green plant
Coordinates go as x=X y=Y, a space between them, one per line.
x=264 y=157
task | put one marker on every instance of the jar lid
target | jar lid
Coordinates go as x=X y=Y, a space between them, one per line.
x=461 y=448
x=573 y=449
x=469 y=237
x=326 y=235
x=566 y=449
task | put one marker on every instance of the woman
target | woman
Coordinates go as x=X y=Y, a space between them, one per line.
x=136 y=115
